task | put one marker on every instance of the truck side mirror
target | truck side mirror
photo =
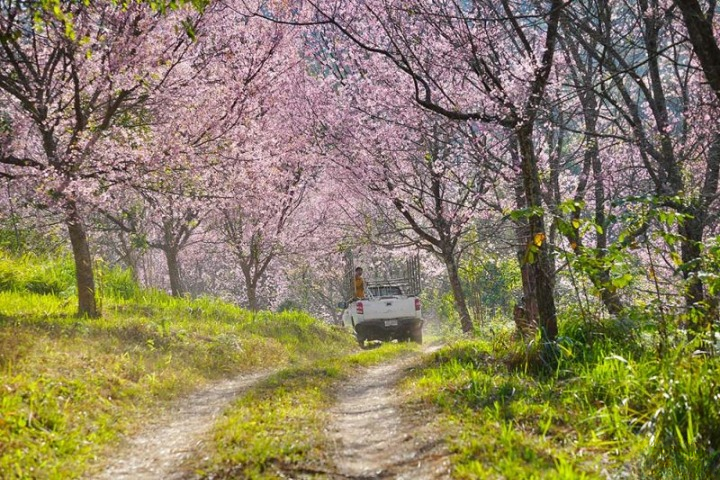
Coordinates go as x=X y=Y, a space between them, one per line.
x=342 y=305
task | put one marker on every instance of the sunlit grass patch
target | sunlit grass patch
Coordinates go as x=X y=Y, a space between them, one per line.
x=64 y=397
x=37 y=274
x=385 y=351
x=276 y=425
x=606 y=406
x=506 y=421
x=33 y=306
x=684 y=425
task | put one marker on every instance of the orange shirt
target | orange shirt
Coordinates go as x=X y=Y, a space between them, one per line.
x=359 y=287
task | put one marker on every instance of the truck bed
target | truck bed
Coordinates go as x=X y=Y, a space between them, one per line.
x=385 y=317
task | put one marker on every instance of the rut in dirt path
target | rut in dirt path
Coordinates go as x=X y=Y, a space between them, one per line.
x=374 y=439
x=160 y=450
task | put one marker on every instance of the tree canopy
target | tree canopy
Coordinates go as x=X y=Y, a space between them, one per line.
x=238 y=147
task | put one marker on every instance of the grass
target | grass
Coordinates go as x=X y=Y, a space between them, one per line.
x=69 y=386
x=37 y=274
x=606 y=408
x=278 y=429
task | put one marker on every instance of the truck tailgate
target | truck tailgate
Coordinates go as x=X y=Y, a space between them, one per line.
x=389 y=307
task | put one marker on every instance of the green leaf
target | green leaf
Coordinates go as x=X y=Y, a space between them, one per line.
x=189 y=29
x=529 y=256
x=677 y=260
x=622 y=281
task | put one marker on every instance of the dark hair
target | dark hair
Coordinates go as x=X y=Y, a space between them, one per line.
x=358 y=269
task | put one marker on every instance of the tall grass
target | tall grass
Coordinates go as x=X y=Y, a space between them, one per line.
x=609 y=408
x=37 y=274
x=684 y=426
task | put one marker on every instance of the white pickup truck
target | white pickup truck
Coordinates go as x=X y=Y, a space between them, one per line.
x=385 y=314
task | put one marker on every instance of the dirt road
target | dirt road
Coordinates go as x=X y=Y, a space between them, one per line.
x=374 y=438
x=160 y=451
x=372 y=435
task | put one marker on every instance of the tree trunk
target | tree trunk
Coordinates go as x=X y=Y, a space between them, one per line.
x=608 y=293
x=133 y=264
x=129 y=256
x=251 y=282
x=702 y=37
x=85 y=279
x=458 y=293
x=691 y=230
x=530 y=305
x=599 y=275
x=336 y=317
x=702 y=307
x=171 y=249
x=171 y=257
x=527 y=314
x=539 y=276
x=252 y=296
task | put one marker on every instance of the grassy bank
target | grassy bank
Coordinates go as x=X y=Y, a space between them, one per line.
x=610 y=409
x=69 y=386
x=278 y=429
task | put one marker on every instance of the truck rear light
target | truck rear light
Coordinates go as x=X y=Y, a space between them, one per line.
x=359 y=308
x=417 y=304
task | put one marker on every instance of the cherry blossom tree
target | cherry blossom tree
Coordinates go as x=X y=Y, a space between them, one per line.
x=420 y=190
x=317 y=285
x=253 y=233
x=66 y=80
x=465 y=61
x=661 y=106
x=165 y=221
x=266 y=163
x=196 y=128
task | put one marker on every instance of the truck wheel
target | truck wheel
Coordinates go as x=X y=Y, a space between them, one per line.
x=416 y=335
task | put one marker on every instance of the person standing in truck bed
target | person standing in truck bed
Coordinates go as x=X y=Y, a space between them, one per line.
x=359 y=283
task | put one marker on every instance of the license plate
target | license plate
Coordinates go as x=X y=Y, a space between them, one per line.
x=391 y=323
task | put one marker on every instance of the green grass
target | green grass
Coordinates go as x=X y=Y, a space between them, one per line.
x=604 y=407
x=37 y=274
x=278 y=428
x=69 y=386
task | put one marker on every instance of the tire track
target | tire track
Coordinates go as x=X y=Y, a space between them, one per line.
x=373 y=440
x=164 y=445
